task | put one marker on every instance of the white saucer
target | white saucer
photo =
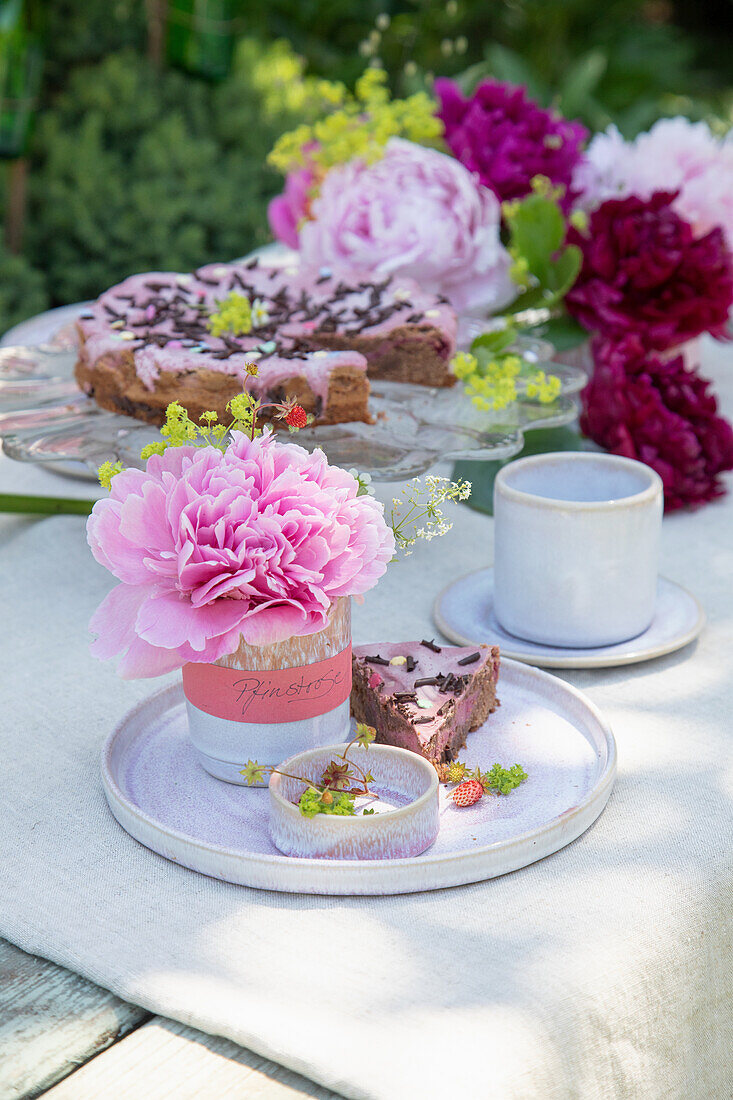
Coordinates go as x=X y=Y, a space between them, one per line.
x=464 y=613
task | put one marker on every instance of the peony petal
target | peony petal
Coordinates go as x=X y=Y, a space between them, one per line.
x=114 y=620
x=170 y=620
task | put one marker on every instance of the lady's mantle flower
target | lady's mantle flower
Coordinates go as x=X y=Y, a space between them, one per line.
x=233 y=316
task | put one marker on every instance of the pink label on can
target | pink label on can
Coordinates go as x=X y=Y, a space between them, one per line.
x=276 y=695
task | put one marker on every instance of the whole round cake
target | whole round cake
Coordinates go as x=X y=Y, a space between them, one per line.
x=315 y=337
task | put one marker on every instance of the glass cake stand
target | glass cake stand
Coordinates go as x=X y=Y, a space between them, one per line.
x=44 y=418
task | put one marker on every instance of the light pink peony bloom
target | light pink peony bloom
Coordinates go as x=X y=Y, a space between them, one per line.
x=675 y=155
x=286 y=212
x=415 y=212
x=256 y=542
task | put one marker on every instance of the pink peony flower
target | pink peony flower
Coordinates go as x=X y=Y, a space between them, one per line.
x=286 y=212
x=644 y=271
x=675 y=155
x=258 y=542
x=507 y=139
x=661 y=413
x=415 y=212
x=605 y=171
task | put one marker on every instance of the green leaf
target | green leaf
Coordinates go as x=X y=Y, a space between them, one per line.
x=564 y=270
x=503 y=780
x=563 y=333
x=473 y=75
x=580 y=82
x=559 y=276
x=510 y=66
x=495 y=342
x=311 y=802
x=537 y=232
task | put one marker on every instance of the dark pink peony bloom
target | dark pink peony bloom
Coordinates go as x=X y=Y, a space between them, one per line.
x=658 y=411
x=645 y=272
x=507 y=139
x=286 y=212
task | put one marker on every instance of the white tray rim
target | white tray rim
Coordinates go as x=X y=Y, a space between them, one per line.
x=576 y=658
x=365 y=877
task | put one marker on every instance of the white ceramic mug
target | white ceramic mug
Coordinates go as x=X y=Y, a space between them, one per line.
x=576 y=548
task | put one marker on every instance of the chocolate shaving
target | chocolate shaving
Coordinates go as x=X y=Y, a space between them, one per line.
x=237 y=278
x=470 y=659
x=420 y=721
x=404 y=696
x=431 y=645
x=425 y=681
x=411 y=664
x=376 y=660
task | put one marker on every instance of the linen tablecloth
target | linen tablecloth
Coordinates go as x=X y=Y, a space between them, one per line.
x=601 y=972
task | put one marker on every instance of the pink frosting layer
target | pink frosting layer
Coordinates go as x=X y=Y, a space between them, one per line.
x=162 y=316
x=386 y=680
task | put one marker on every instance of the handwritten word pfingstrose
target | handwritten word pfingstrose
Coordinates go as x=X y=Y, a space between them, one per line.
x=269 y=696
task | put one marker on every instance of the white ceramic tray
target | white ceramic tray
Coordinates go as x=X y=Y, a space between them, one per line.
x=160 y=794
x=464 y=613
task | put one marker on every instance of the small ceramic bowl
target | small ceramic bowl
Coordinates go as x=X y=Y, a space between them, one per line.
x=405 y=820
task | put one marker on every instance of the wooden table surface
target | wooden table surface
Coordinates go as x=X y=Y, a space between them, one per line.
x=65 y=1039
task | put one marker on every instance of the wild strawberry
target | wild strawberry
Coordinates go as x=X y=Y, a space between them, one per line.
x=296 y=417
x=468 y=792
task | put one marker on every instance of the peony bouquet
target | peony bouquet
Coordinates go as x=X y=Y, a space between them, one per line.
x=506 y=207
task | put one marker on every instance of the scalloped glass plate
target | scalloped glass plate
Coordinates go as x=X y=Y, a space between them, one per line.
x=44 y=417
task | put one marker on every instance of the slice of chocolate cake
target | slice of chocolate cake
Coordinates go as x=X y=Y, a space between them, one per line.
x=422 y=696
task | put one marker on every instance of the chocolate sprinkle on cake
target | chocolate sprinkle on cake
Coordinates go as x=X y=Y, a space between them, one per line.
x=470 y=659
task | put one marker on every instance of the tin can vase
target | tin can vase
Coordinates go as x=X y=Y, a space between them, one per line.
x=266 y=703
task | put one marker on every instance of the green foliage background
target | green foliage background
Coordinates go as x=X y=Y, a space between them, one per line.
x=132 y=168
